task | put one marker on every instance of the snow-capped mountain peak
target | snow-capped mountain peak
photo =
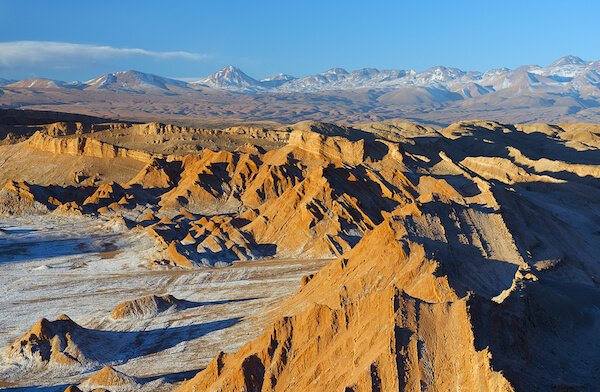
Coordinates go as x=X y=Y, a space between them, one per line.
x=526 y=78
x=563 y=68
x=134 y=81
x=438 y=74
x=335 y=71
x=567 y=60
x=569 y=75
x=230 y=78
x=276 y=80
x=278 y=77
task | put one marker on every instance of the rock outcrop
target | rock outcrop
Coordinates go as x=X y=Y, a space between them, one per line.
x=72 y=388
x=147 y=306
x=83 y=146
x=440 y=293
x=50 y=342
x=369 y=321
x=159 y=173
x=110 y=379
x=17 y=198
x=330 y=147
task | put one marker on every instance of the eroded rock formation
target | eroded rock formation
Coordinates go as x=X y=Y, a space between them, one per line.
x=461 y=259
x=110 y=379
x=50 y=342
x=146 y=306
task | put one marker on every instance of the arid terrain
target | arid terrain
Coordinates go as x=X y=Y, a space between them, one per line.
x=214 y=254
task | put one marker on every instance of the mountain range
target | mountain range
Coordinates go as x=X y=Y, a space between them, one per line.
x=568 y=75
x=567 y=90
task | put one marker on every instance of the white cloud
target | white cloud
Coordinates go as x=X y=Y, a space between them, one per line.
x=66 y=55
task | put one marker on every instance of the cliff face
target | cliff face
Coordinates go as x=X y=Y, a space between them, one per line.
x=154 y=128
x=83 y=146
x=372 y=319
x=369 y=321
x=333 y=148
x=310 y=351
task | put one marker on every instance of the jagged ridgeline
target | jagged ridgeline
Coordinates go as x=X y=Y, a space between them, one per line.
x=463 y=258
x=567 y=90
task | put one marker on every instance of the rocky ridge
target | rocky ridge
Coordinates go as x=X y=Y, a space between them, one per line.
x=448 y=250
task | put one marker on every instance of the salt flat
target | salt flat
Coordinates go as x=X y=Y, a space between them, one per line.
x=84 y=267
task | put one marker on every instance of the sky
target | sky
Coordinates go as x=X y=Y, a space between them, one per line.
x=79 y=40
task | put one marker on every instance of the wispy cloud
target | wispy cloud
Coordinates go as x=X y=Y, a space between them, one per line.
x=66 y=55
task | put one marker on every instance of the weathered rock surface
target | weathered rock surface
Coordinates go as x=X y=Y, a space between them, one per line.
x=146 y=306
x=461 y=259
x=83 y=146
x=17 y=198
x=50 y=342
x=371 y=320
x=441 y=295
x=110 y=379
x=333 y=148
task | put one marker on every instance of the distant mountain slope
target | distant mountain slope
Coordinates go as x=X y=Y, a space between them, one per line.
x=568 y=74
x=276 y=80
x=230 y=78
x=4 y=82
x=135 y=81
x=43 y=83
x=567 y=90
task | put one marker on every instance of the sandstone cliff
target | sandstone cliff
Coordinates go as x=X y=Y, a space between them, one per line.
x=333 y=148
x=83 y=146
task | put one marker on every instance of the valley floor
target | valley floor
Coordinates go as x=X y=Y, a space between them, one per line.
x=84 y=267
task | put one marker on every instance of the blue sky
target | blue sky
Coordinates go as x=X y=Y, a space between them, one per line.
x=81 y=39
